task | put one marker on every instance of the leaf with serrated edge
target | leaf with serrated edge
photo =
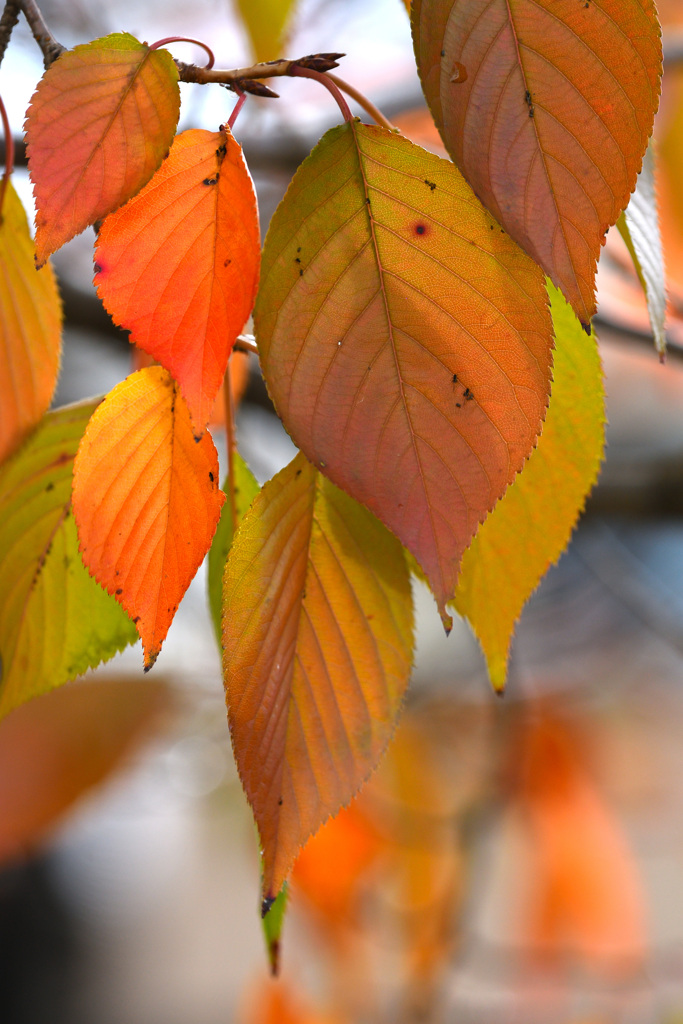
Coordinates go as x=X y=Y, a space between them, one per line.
x=55 y=622
x=530 y=527
x=547 y=108
x=246 y=487
x=404 y=338
x=639 y=227
x=267 y=23
x=146 y=500
x=317 y=638
x=178 y=265
x=30 y=330
x=99 y=124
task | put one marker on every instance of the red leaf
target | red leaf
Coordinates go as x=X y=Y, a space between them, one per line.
x=146 y=500
x=99 y=124
x=178 y=265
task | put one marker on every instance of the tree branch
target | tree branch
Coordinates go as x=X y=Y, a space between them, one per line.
x=247 y=79
x=10 y=16
x=49 y=46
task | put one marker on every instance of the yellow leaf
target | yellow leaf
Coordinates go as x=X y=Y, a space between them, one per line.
x=531 y=526
x=267 y=24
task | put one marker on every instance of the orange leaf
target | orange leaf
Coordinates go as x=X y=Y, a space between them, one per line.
x=30 y=330
x=99 y=124
x=405 y=340
x=547 y=108
x=178 y=265
x=588 y=897
x=146 y=500
x=317 y=635
x=54 y=749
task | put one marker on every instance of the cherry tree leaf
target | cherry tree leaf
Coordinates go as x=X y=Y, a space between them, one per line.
x=547 y=109
x=267 y=23
x=530 y=527
x=405 y=339
x=639 y=227
x=178 y=265
x=318 y=639
x=55 y=622
x=99 y=124
x=146 y=500
x=52 y=751
x=30 y=329
x=245 y=489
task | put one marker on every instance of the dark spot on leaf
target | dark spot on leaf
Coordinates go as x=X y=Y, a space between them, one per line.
x=226 y=263
x=211 y=181
x=299 y=249
x=443 y=53
x=279 y=803
x=98 y=268
x=587 y=328
x=297 y=259
x=457 y=405
x=467 y=395
x=367 y=200
x=431 y=184
x=119 y=591
x=301 y=272
x=136 y=619
x=211 y=476
x=50 y=486
x=298 y=472
x=454 y=378
x=266 y=904
x=420 y=229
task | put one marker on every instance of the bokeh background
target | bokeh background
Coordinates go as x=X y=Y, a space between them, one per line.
x=512 y=860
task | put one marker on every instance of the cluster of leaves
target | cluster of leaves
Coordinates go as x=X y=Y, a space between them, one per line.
x=405 y=317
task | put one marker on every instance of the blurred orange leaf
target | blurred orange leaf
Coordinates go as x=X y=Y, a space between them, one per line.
x=99 y=124
x=30 y=329
x=317 y=635
x=276 y=1002
x=178 y=265
x=146 y=500
x=54 y=749
x=586 y=894
x=405 y=339
x=547 y=109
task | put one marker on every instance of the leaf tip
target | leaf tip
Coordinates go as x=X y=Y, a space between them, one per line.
x=447 y=621
x=587 y=327
x=266 y=902
x=151 y=657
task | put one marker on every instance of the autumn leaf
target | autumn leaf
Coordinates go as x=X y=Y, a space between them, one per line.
x=639 y=227
x=178 y=265
x=246 y=487
x=55 y=622
x=146 y=500
x=530 y=527
x=317 y=635
x=267 y=23
x=547 y=109
x=404 y=338
x=53 y=750
x=30 y=329
x=99 y=124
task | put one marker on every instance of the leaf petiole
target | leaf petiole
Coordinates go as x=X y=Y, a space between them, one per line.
x=297 y=71
x=187 y=39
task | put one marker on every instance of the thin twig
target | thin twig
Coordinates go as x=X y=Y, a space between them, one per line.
x=296 y=71
x=230 y=442
x=10 y=16
x=245 y=343
x=362 y=101
x=51 y=49
x=247 y=79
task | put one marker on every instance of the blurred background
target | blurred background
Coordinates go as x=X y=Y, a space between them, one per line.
x=512 y=860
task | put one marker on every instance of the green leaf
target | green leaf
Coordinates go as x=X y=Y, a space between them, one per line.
x=530 y=527
x=55 y=621
x=639 y=227
x=246 y=488
x=267 y=23
x=272 y=922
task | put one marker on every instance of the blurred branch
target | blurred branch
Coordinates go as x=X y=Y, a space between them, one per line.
x=49 y=46
x=247 y=79
x=10 y=16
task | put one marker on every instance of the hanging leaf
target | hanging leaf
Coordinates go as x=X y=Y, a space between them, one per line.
x=246 y=487
x=318 y=638
x=30 y=330
x=530 y=527
x=55 y=622
x=52 y=751
x=405 y=340
x=267 y=24
x=146 y=500
x=639 y=227
x=99 y=124
x=178 y=265
x=546 y=108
